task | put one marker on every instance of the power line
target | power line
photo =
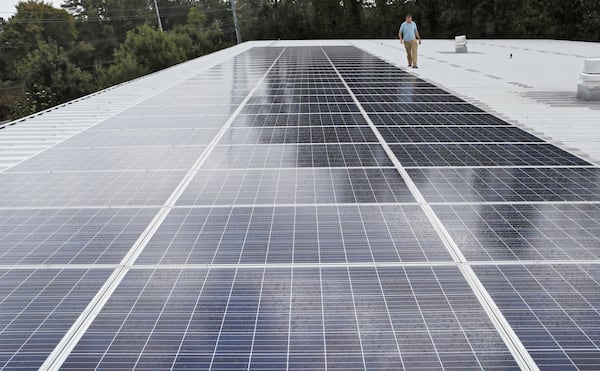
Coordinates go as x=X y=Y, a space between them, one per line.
x=132 y=9
x=83 y=19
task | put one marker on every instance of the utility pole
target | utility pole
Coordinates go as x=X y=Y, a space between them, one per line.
x=158 y=16
x=235 y=22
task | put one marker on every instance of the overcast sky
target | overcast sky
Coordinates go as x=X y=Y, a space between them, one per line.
x=7 y=7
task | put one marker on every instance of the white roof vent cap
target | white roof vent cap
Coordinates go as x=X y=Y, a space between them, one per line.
x=462 y=39
x=591 y=65
x=589 y=89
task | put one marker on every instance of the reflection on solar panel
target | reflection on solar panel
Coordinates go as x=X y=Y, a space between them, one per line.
x=300 y=208
x=525 y=232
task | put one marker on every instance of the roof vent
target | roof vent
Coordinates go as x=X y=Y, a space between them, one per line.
x=589 y=89
x=460 y=44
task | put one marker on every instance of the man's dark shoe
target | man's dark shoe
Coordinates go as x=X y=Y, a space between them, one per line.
x=415 y=67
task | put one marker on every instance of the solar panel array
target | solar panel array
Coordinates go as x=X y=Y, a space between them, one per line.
x=301 y=208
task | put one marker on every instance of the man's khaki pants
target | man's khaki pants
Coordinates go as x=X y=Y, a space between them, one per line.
x=411 y=51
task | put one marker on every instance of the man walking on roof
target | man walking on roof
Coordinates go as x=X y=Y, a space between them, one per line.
x=409 y=35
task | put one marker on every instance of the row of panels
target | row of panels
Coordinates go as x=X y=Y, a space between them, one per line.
x=174 y=120
x=277 y=155
x=289 y=185
x=301 y=234
x=299 y=135
x=347 y=318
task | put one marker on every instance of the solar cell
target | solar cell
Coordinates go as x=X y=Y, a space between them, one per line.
x=295 y=234
x=37 y=307
x=292 y=318
x=301 y=185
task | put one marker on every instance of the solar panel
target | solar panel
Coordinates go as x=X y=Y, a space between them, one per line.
x=192 y=109
x=256 y=219
x=483 y=134
x=524 y=232
x=508 y=184
x=70 y=236
x=300 y=99
x=345 y=134
x=419 y=107
x=553 y=309
x=289 y=120
x=37 y=307
x=434 y=119
x=409 y=98
x=87 y=189
x=300 y=234
x=137 y=137
x=153 y=122
x=302 y=185
x=416 y=155
x=302 y=155
x=286 y=108
x=113 y=158
x=292 y=318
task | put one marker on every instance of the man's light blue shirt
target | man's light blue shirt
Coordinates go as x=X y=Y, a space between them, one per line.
x=409 y=31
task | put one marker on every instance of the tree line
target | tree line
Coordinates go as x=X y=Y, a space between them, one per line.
x=50 y=55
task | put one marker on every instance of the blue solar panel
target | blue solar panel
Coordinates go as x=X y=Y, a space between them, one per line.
x=553 y=309
x=524 y=231
x=295 y=234
x=70 y=236
x=508 y=184
x=37 y=307
x=292 y=318
x=301 y=185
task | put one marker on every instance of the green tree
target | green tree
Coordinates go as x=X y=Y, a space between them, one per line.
x=34 y=22
x=195 y=37
x=49 y=78
x=144 y=51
